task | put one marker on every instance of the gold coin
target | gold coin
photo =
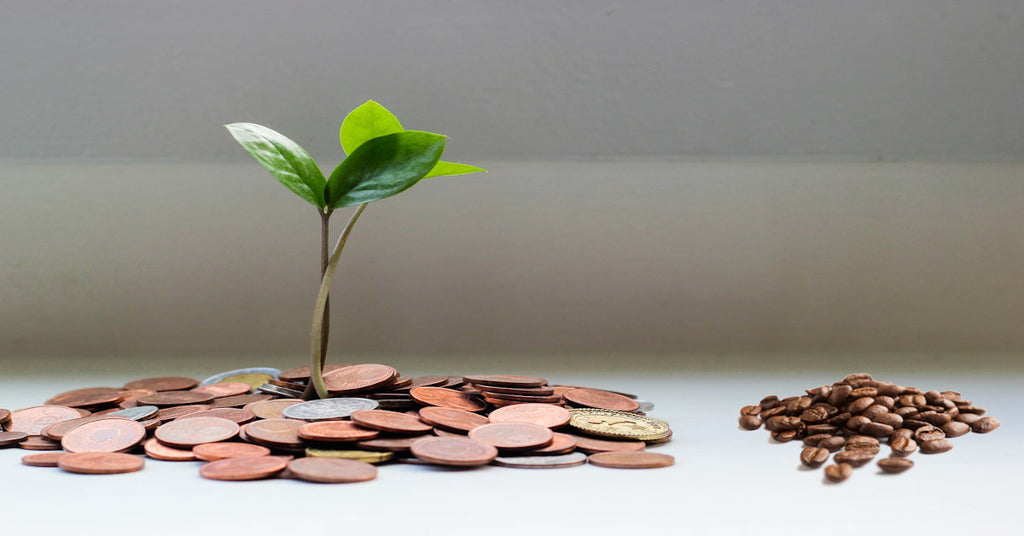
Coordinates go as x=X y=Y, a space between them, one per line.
x=254 y=379
x=358 y=455
x=618 y=424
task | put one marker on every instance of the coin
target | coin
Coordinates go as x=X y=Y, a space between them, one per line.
x=238 y=401
x=243 y=375
x=34 y=442
x=5 y=417
x=506 y=380
x=358 y=455
x=447 y=398
x=42 y=459
x=544 y=415
x=212 y=452
x=131 y=395
x=269 y=388
x=388 y=444
x=592 y=445
x=250 y=468
x=452 y=419
x=335 y=431
x=504 y=400
x=101 y=463
x=593 y=398
x=154 y=449
x=618 y=424
x=275 y=433
x=169 y=414
x=645 y=406
x=106 y=435
x=165 y=383
x=427 y=381
x=390 y=421
x=187 y=433
x=87 y=398
x=137 y=413
x=327 y=409
x=524 y=391
x=560 y=444
x=174 y=398
x=457 y=451
x=33 y=420
x=542 y=462
x=301 y=374
x=222 y=389
x=270 y=409
x=56 y=431
x=237 y=415
x=332 y=470
x=513 y=436
x=359 y=378
x=9 y=439
x=631 y=460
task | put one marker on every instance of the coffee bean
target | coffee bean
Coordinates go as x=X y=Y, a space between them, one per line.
x=876 y=429
x=864 y=392
x=769 y=402
x=750 y=422
x=860 y=376
x=903 y=446
x=821 y=429
x=906 y=411
x=799 y=404
x=813 y=456
x=784 y=436
x=779 y=422
x=933 y=418
x=895 y=465
x=840 y=394
x=888 y=389
x=886 y=401
x=955 y=429
x=856 y=422
x=860 y=405
x=832 y=444
x=813 y=440
x=914 y=424
x=861 y=442
x=928 y=433
x=972 y=409
x=773 y=412
x=822 y=392
x=855 y=458
x=814 y=415
x=985 y=425
x=933 y=396
x=840 y=419
x=838 y=472
x=936 y=446
x=901 y=432
x=874 y=411
x=751 y=410
x=891 y=419
x=968 y=418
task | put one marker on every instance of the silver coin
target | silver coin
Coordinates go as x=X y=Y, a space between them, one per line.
x=645 y=406
x=137 y=413
x=278 y=390
x=542 y=462
x=328 y=409
x=252 y=370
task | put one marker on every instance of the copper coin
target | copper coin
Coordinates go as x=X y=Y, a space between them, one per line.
x=132 y=394
x=544 y=415
x=390 y=421
x=275 y=432
x=593 y=398
x=458 y=451
x=447 y=398
x=33 y=420
x=389 y=444
x=43 y=459
x=441 y=432
x=631 y=460
x=500 y=399
x=169 y=414
x=359 y=378
x=511 y=437
x=401 y=382
x=187 y=433
x=590 y=445
x=238 y=401
x=158 y=451
x=335 y=431
x=452 y=419
x=332 y=470
x=166 y=383
x=9 y=439
x=212 y=452
x=101 y=463
x=56 y=431
x=525 y=391
x=301 y=374
x=221 y=390
x=237 y=415
x=5 y=416
x=560 y=444
x=106 y=435
x=251 y=468
x=164 y=399
x=87 y=398
x=270 y=409
x=427 y=381
x=506 y=380
x=34 y=442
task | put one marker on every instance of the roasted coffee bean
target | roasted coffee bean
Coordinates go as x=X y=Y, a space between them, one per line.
x=985 y=425
x=910 y=391
x=876 y=429
x=864 y=392
x=933 y=396
x=891 y=419
x=936 y=446
x=874 y=411
x=819 y=392
x=773 y=411
x=911 y=400
x=888 y=389
x=814 y=415
x=798 y=405
x=903 y=446
x=833 y=443
x=814 y=429
x=784 y=436
x=840 y=419
x=928 y=433
x=838 y=472
x=901 y=432
x=895 y=465
x=968 y=418
x=914 y=424
x=955 y=429
x=861 y=441
x=750 y=422
x=813 y=440
x=860 y=404
x=750 y=410
x=933 y=418
x=886 y=401
x=906 y=411
x=856 y=422
x=813 y=456
x=840 y=394
x=769 y=402
x=783 y=423
x=855 y=458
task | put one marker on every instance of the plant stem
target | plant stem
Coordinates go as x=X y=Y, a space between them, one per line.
x=325 y=326
x=316 y=376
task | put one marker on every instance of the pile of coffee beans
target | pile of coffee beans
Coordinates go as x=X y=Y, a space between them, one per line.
x=849 y=419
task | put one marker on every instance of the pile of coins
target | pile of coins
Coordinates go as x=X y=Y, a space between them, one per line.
x=850 y=417
x=251 y=423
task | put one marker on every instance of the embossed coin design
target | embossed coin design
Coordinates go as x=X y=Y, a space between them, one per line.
x=359 y=378
x=105 y=435
x=100 y=463
x=187 y=433
x=332 y=470
x=33 y=420
x=328 y=409
x=544 y=415
x=631 y=460
x=456 y=451
x=618 y=424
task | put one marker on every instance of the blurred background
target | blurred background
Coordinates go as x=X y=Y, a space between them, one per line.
x=666 y=178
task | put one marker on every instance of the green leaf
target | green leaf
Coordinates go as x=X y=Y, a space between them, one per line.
x=384 y=166
x=453 y=168
x=284 y=159
x=368 y=121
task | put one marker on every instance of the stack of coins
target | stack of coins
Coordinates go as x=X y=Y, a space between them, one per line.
x=251 y=423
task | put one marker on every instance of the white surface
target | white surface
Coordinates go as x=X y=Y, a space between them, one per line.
x=725 y=481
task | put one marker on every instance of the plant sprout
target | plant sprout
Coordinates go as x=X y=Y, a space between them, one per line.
x=383 y=160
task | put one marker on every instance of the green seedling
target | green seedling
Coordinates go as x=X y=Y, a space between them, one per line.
x=383 y=160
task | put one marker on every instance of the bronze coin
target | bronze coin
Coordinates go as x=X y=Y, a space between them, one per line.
x=427 y=381
x=275 y=432
x=33 y=420
x=506 y=380
x=301 y=374
x=591 y=445
x=452 y=419
x=221 y=390
x=593 y=398
x=169 y=414
x=34 y=442
x=335 y=432
x=87 y=398
x=9 y=439
x=158 y=451
x=631 y=460
x=251 y=468
x=390 y=421
x=501 y=399
x=238 y=401
x=100 y=463
x=237 y=415
x=560 y=444
x=359 y=378
x=441 y=432
x=56 y=431
x=525 y=391
x=447 y=398
x=164 y=399
x=5 y=417
x=544 y=415
x=513 y=436
x=400 y=382
x=43 y=459
x=389 y=444
x=270 y=409
x=187 y=433
x=166 y=383
x=458 y=451
x=212 y=452
x=106 y=435
x=132 y=394
x=332 y=470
